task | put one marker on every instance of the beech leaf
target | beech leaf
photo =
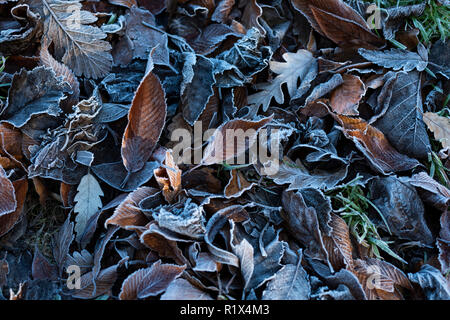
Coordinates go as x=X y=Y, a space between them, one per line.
x=146 y=119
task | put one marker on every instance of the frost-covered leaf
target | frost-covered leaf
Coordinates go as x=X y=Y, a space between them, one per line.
x=402 y=121
x=374 y=145
x=87 y=202
x=198 y=89
x=440 y=126
x=150 y=281
x=290 y=283
x=33 y=92
x=396 y=59
x=432 y=283
x=338 y=21
x=300 y=65
x=77 y=43
x=181 y=289
x=146 y=119
x=8 y=201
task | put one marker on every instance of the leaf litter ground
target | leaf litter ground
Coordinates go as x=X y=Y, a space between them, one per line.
x=118 y=177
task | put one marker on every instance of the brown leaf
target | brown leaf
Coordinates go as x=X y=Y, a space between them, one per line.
x=19 y=294
x=41 y=190
x=379 y=278
x=9 y=220
x=440 y=126
x=237 y=185
x=250 y=16
x=169 y=178
x=338 y=21
x=7 y=197
x=10 y=146
x=160 y=243
x=222 y=11
x=128 y=214
x=218 y=150
x=341 y=237
x=92 y=287
x=146 y=120
x=345 y=98
x=124 y=3
x=61 y=70
x=64 y=192
x=149 y=282
x=374 y=145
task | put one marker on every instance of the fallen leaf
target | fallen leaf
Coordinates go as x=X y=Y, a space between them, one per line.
x=402 y=122
x=150 y=282
x=290 y=283
x=338 y=21
x=440 y=126
x=345 y=98
x=300 y=65
x=374 y=145
x=128 y=214
x=222 y=147
x=181 y=289
x=87 y=202
x=78 y=43
x=146 y=120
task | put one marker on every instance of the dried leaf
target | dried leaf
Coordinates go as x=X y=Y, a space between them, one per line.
x=33 y=92
x=169 y=177
x=340 y=235
x=432 y=283
x=187 y=219
x=128 y=214
x=9 y=220
x=402 y=123
x=150 y=282
x=440 y=126
x=222 y=147
x=402 y=208
x=440 y=195
x=8 y=201
x=237 y=185
x=87 y=202
x=140 y=38
x=302 y=222
x=338 y=21
x=61 y=244
x=79 y=44
x=60 y=70
x=300 y=65
x=252 y=12
x=290 y=283
x=215 y=223
x=181 y=289
x=396 y=59
x=299 y=177
x=345 y=98
x=198 y=88
x=374 y=145
x=124 y=3
x=146 y=120
x=92 y=287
